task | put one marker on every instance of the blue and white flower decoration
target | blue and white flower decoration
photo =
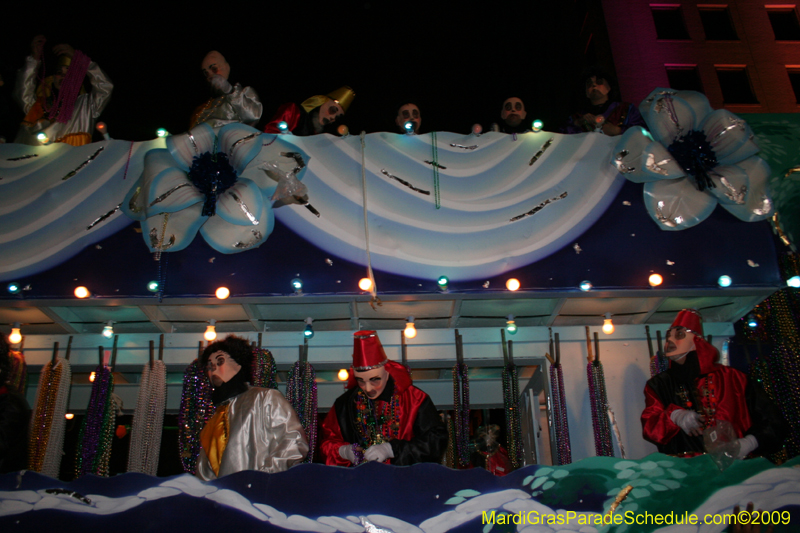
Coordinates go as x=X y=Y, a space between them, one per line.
x=196 y=184
x=693 y=158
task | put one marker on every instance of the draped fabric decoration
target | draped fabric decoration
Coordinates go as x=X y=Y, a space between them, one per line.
x=693 y=158
x=57 y=199
x=97 y=430
x=560 y=422
x=301 y=392
x=461 y=413
x=148 y=419
x=511 y=407
x=196 y=408
x=265 y=372
x=48 y=424
x=18 y=373
x=599 y=406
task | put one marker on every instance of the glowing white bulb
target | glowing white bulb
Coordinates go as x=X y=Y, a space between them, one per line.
x=512 y=284
x=411 y=331
x=82 y=292
x=343 y=374
x=223 y=292
x=586 y=285
x=608 y=326
x=724 y=281
x=211 y=331
x=16 y=336
x=655 y=280
x=365 y=284
x=108 y=330
x=793 y=282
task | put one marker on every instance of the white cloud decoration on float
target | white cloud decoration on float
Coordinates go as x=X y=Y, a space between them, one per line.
x=693 y=158
x=196 y=184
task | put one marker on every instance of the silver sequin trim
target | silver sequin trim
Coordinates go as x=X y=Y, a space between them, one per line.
x=191 y=138
x=132 y=204
x=83 y=165
x=660 y=93
x=101 y=218
x=256 y=238
x=244 y=207
x=766 y=206
x=243 y=139
x=404 y=182
x=654 y=167
x=622 y=167
x=670 y=223
x=538 y=154
x=154 y=241
x=464 y=147
x=732 y=193
x=164 y=196
x=540 y=206
x=735 y=123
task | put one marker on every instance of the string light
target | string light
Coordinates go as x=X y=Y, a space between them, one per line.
x=343 y=374
x=442 y=282
x=411 y=330
x=752 y=323
x=537 y=125
x=409 y=127
x=42 y=137
x=14 y=288
x=92 y=376
x=512 y=284
x=608 y=326
x=103 y=129
x=365 y=284
x=586 y=285
x=511 y=326
x=152 y=286
x=211 y=331
x=297 y=285
x=82 y=292
x=222 y=293
x=69 y=416
x=162 y=132
x=108 y=330
x=793 y=282
x=724 y=281
x=477 y=129
x=283 y=126
x=16 y=336
x=308 y=333
x=655 y=280
x=343 y=130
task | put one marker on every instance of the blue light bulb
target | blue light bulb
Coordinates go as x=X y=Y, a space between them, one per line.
x=724 y=281
x=297 y=284
x=538 y=125
x=283 y=126
x=586 y=285
x=14 y=288
x=793 y=282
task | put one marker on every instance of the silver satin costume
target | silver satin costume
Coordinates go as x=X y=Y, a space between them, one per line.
x=88 y=106
x=264 y=434
x=240 y=105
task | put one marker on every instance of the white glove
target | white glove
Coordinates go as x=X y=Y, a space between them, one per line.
x=346 y=452
x=746 y=445
x=220 y=84
x=691 y=422
x=379 y=452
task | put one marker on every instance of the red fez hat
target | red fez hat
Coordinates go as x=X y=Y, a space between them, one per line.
x=691 y=320
x=367 y=351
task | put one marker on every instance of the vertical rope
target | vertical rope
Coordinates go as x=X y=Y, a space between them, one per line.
x=374 y=289
x=435 y=166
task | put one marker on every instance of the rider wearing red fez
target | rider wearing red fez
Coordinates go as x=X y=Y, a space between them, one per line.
x=696 y=391
x=382 y=416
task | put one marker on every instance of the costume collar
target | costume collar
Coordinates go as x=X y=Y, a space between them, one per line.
x=233 y=387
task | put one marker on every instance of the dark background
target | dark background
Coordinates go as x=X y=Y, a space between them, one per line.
x=457 y=61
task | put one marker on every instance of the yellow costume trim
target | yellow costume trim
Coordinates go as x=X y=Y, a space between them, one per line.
x=214 y=437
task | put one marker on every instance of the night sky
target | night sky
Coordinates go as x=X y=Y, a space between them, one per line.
x=458 y=63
